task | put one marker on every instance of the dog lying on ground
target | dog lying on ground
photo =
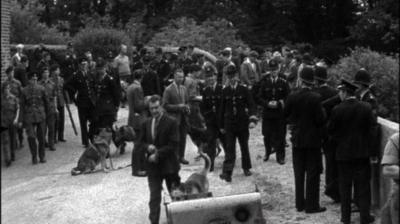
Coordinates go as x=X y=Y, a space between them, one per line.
x=97 y=152
x=197 y=183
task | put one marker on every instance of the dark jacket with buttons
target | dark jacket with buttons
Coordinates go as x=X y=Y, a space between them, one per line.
x=107 y=96
x=237 y=106
x=211 y=104
x=34 y=104
x=82 y=89
x=270 y=90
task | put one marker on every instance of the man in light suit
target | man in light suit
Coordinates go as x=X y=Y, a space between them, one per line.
x=175 y=102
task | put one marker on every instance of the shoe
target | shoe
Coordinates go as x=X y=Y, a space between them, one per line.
x=62 y=140
x=225 y=177
x=140 y=173
x=300 y=209
x=281 y=161
x=247 y=173
x=43 y=161
x=266 y=157
x=320 y=209
x=184 y=161
x=34 y=161
x=52 y=148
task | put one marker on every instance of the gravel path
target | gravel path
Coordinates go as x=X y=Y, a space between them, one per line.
x=47 y=193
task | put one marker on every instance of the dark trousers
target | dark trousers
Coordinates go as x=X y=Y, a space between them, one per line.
x=35 y=131
x=50 y=128
x=307 y=165
x=59 y=130
x=274 y=131
x=182 y=140
x=21 y=136
x=230 y=152
x=212 y=135
x=155 y=185
x=85 y=118
x=331 y=172
x=359 y=173
x=138 y=159
x=12 y=134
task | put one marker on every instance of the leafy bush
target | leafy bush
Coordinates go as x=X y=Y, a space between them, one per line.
x=211 y=35
x=26 y=28
x=384 y=70
x=99 y=41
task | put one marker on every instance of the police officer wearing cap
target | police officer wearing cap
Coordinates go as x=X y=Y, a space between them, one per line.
x=210 y=108
x=236 y=116
x=150 y=81
x=351 y=125
x=81 y=88
x=107 y=97
x=363 y=80
x=272 y=96
x=327 y=92
x=306 y=119
x=34 y=108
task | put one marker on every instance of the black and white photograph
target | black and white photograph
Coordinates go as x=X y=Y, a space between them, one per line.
x=200 y=111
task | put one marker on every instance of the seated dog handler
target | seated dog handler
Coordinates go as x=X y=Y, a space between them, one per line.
x=159 y=136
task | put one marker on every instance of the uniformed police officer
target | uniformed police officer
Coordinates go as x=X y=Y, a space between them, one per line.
x=272 y=96
x=52 y=112
x=81 y=88
x=351 y=125
x=34 y=107
x=107 y=97
x=363 y=80
x=306 y=120
x=59 y=86
x=9 y=119
x=210 y=109
x=16 y=90
x=237 y=115
x=327 y=93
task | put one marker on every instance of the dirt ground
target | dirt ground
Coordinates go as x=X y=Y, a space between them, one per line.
x=47 y=193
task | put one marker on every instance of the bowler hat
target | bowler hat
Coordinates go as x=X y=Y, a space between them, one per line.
x=230 y=70
x=273 y=64
x=347 y=86
x=320 y=73
x=362 y=77
x=307 y=75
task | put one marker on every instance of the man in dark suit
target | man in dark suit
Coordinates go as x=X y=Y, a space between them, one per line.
x=306 y=119
x=331 y=173
x=236 y=116
x=272 y=96
x=81 y=85
x=150 y=81
x=175 y=101
x=210 y=109
x=160 y=137
x=352 y=127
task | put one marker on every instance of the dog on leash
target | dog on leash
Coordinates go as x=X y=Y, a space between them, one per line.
x=97 y=152
x=197 y=183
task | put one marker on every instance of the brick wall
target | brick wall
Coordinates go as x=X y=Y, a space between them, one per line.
x=5 y=35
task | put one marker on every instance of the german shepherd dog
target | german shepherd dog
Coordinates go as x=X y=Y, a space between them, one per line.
x=97 y=152
x=197 y=183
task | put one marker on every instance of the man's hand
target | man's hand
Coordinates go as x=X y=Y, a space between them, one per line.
x=252 y=125
x=151 y=149
x=153 y=158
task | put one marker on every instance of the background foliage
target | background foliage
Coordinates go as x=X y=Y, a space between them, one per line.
x=384 y=70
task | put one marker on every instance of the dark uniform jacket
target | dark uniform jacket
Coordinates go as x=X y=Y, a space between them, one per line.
x=69 y=65
x=9 y=107
x=270 y=90
x=351 y=126
x=211 y=104
x=82 y=89
x=166 y=141
x=33 y=104
x=59 y=85
x=237 y=106
x=15 y=87
x=21 y=74
x=150 y=83
x=137 y=106
x=107 y=96
x=306 y=117
x=368 y=97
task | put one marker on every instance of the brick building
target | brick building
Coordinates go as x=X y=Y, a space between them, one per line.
x=5 y=35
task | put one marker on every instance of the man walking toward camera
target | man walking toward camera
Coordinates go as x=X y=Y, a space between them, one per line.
x=160 y=138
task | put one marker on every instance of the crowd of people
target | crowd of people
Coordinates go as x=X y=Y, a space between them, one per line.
x=174 y=94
